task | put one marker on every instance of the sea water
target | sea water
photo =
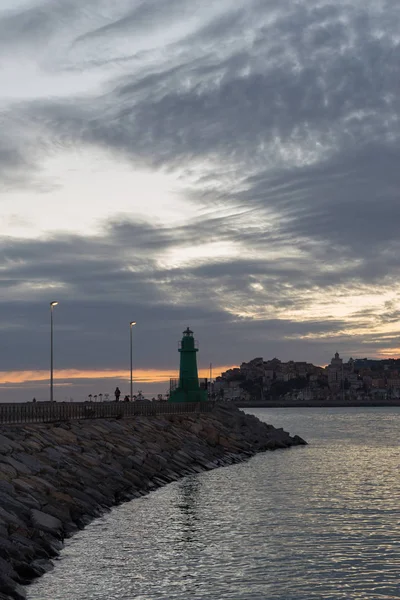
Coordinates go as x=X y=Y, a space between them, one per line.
x=313 y=522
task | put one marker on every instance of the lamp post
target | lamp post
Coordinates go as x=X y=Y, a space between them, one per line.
x=52 y=305
x=131 y=324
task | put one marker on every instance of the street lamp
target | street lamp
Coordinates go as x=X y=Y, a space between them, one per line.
x=52 y=305
x=131 y=324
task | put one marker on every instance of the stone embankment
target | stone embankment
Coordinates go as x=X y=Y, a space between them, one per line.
x=55 y=478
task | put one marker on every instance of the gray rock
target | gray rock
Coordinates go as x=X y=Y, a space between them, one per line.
x=10 y=549
x=3 y=529
x=33 y=569
x=54 y=454
x=28 y=546
x=51 y=545
x=7 y=470
x=7 y=569
x=33 y=464
x=6 y=486
x=30 y=501
x=8 y=445
x=10 y=518
x=297 y=440
x=23 y=485
x=7 y=549
x=11 y=504
x=41 y=482
x=48 y=465
x=274 y=444
x=99 y=497
x=59 y=511
x=126 y=463
x=45 y=522
x=16 y=464
x=81 y=497
x=11 y=589
x=41 y=565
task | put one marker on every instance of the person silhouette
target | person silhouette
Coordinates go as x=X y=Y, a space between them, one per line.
x=117 y=394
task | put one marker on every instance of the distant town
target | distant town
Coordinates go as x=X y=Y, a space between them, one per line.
x=359 y=379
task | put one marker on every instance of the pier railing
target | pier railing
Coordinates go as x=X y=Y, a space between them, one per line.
x=36 y=412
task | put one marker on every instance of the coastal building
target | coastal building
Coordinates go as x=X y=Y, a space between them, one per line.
x=233 y=373
x=356 y=379
x=393 y=383
x=230 y=389
x=253 y=369
x=259 y=378
x=378 y=382
x=305 y=394
x=353 y=380
x=335 y=372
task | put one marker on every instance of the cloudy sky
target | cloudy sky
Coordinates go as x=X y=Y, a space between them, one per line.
x=233 y=166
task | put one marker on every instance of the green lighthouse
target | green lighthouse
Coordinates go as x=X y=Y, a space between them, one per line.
x=188 y=388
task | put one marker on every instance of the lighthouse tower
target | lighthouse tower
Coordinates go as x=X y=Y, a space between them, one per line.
x=188 y=389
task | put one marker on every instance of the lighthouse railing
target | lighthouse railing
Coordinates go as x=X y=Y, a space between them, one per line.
x=191 y=383
x=195 y=345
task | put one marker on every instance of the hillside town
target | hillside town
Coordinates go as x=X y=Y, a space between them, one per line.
x=357 y=379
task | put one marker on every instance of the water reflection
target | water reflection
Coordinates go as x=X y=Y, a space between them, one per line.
x=188 y=499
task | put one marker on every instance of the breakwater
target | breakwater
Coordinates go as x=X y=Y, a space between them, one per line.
x=56 y=477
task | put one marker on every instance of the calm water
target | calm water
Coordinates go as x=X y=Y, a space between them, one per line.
x=315 y=522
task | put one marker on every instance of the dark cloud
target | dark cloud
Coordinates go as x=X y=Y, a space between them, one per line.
x=144 y=16
x=283 y=116
x=104 y=282
x=42 y=19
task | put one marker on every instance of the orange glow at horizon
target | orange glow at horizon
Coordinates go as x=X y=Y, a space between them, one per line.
x=388 y=353
x=139 y=376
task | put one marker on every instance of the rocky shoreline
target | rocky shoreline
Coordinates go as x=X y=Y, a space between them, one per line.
x=56 y=478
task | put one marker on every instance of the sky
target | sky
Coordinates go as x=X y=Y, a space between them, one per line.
x=231 y=166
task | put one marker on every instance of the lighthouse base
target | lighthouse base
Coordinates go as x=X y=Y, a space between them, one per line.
x=180 y=395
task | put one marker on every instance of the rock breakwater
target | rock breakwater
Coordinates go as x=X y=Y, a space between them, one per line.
x=55 y=478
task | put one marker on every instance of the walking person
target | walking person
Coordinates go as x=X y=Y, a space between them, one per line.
x=117 y=394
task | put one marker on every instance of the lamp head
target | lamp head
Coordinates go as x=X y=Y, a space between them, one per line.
x=54 y=303
x=132 y=323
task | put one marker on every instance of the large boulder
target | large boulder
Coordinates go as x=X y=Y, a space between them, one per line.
x=10 y=589
x=7 y=445
x=45 y=522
